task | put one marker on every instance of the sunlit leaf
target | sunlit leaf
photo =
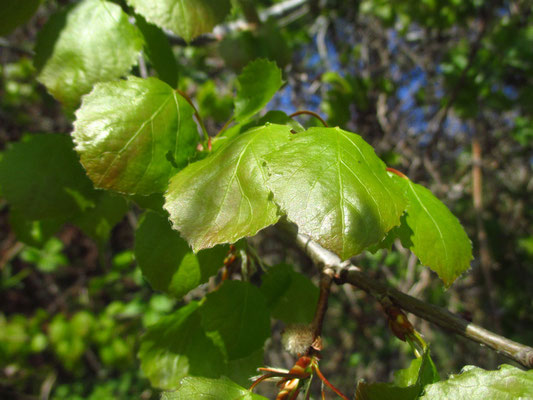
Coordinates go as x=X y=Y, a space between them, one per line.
x=507 y=383
x=334 y=187
x=88 y=42
x=256 y=85
x=186 y=18
x=213 y=389
x=224 y=197
x=133 y=135
x=433 y=233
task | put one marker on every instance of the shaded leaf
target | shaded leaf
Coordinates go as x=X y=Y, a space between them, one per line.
x=242 y=369
x=133 y=135
x=408 y=383
x=15 y=13
x=256 y=85
x=88 y=42
x=166 y=260
x=153 y=202
x=33 y=232
x=422 y=371
x=176 y=347
x=42 y=177
x=334 y=187
x=159 y=51
x=291 y=296
x=507 y=383
x=433 y=233
x=224 y=197
x=186 y=18
x=98 y=221
x=237 y=318
x=214 y=389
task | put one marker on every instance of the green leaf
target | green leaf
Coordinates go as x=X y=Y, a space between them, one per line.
x=48 y=258
x=88 y=42
x=166 y=260
x=33 y=232
x=159 y=51
x=242 y=369
x=224 y=197
x=422 y=371
x=98 y=221
x=237 y=318
x=408 y=383
x=133 y=135
x=214 y=104
x=15 y=13
x=433 y=233
x=153 y=202
x=186 y=18
x=256 y=85
x=176 y=347
x=213 y=389
x=334 y=187
x=291 y=296
x=507 y=383
x=42 y=177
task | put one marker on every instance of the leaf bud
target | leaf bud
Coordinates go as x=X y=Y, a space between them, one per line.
x=297 y=338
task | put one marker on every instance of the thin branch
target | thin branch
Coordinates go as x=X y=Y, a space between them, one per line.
x=484 y=251
x=348 y=273
x=196 y=113
x=307 y=112
x=318 y=321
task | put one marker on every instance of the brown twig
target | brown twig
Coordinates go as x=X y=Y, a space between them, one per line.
x=326 y=279
x=226 y=125
x=398 y=173
x=196 y=113
x=484 y=252
x=349 y=273
x=307 y=112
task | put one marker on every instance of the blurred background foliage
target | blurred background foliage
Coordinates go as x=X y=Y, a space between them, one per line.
x=443 y=89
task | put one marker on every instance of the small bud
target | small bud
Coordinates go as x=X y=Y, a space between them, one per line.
x=297 y=338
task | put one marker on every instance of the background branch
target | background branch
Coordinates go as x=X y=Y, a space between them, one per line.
x=348 y=273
